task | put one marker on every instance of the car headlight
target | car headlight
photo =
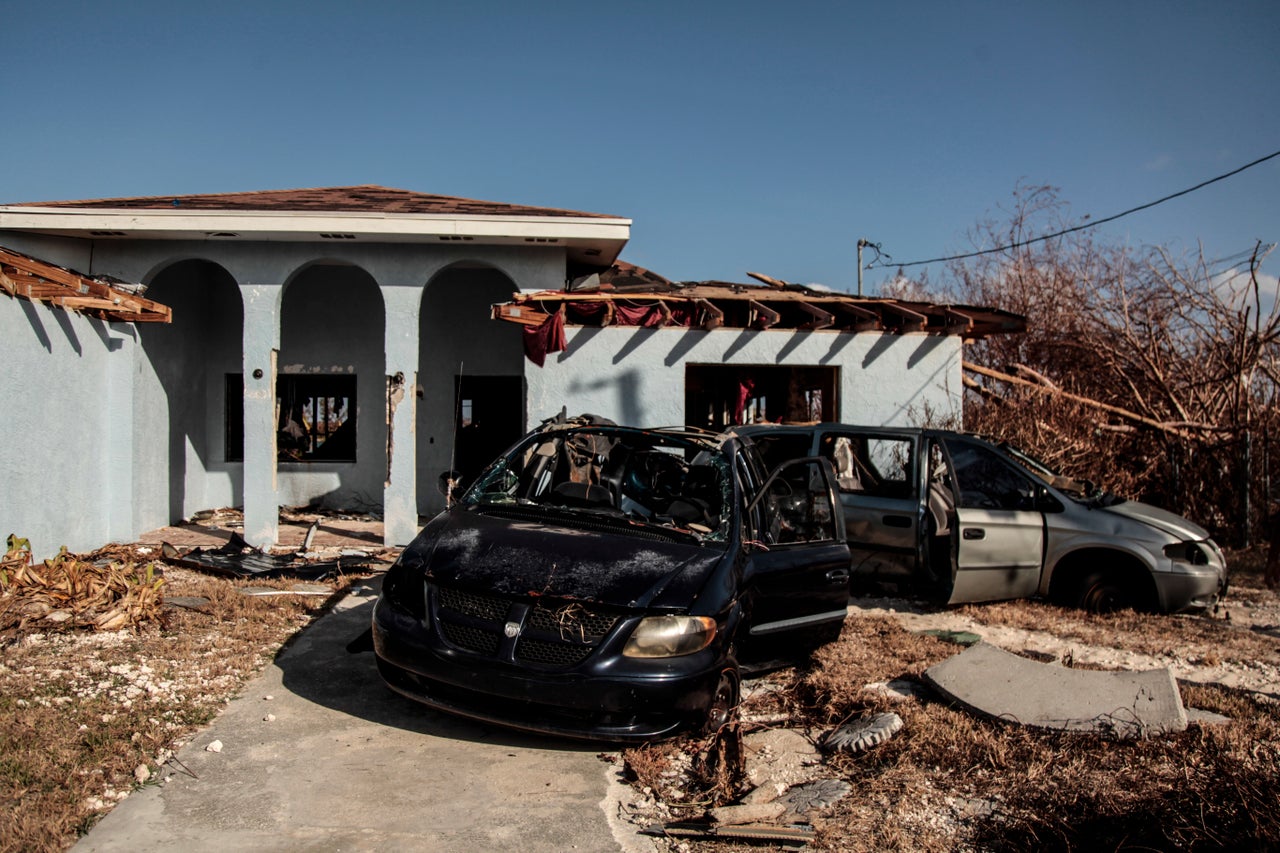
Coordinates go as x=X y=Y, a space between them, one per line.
x=670 y=636
x=1190 y=552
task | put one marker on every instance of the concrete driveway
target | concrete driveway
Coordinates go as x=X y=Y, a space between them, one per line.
x=347 y=765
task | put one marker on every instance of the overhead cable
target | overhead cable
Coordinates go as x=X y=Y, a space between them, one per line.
x=1092 y=224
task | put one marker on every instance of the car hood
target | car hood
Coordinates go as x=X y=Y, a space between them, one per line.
x=537 y=558
x=1161 y=519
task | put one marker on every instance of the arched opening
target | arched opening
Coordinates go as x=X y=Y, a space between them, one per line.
x=330 y=390
x=180 y=413
x=471 y=370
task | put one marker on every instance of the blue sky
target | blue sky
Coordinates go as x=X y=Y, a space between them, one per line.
x=738 y=136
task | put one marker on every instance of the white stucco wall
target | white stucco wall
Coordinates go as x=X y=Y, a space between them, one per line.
x=637 y=376
x=65 y=424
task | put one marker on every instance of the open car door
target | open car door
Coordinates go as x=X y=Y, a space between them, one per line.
x=998 y=536
x=797 y=560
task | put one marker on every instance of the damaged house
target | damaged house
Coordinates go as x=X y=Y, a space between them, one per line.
x=346 y=345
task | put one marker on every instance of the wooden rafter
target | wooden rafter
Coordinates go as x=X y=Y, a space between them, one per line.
x=29 y=278
x=711 y=305
x=763 y=316
x=821 y=319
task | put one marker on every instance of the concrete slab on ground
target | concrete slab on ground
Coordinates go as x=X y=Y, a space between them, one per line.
x=335 y=761
x=997 y=683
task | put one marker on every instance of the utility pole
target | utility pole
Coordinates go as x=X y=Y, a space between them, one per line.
x=862 y=241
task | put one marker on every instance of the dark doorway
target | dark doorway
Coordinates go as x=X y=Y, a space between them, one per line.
x=489 y=417
x=721 y=395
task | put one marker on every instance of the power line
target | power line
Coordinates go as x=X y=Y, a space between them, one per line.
x=1095 y=223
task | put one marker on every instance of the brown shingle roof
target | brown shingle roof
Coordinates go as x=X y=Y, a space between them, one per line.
x=362 y=199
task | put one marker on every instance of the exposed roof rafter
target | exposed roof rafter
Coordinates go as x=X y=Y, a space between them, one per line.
x=711 y=305
x=39 y=281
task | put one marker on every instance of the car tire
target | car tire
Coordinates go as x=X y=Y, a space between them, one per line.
x=1106 y=592
x=724 y=701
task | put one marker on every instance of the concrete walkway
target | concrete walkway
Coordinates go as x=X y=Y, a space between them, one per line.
x=347 y=765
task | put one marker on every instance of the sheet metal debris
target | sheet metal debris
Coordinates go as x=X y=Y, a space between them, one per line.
x=237 y=559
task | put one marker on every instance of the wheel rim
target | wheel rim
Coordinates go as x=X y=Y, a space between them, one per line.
x=723 y=701
x=1104 y=597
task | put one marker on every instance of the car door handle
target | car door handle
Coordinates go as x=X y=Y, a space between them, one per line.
x=897 y=521
x=838 y=575
x=975 y=533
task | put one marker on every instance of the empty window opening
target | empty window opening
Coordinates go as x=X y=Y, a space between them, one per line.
x=717 y=396
x=315 y=418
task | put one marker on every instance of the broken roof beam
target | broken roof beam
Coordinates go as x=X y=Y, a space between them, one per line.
x=712 y=316
x=864 y=319
x=39 y=281
x=663 y=308
x=762 y=316
x=522 y=313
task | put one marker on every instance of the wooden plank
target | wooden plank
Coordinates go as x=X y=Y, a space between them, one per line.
x=768 y=279
x=523 y=314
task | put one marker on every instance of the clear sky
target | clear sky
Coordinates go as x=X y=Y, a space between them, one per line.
x=738 y=136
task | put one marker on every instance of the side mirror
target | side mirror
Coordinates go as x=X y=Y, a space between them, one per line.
x=450 y=485
x=1046 y=502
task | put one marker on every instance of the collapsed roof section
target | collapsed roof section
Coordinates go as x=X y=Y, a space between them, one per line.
x=40 y=281
x=627 y=295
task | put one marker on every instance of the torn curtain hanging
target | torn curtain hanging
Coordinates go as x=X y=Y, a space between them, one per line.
x=546 y=337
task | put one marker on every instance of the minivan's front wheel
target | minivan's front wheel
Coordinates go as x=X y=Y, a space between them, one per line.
x=1109 y=591
x=724 y=702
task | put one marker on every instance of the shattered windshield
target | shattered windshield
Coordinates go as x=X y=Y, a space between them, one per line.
x=633 y=476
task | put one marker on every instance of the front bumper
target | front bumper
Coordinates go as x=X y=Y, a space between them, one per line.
x=607 y=697
x=1191 y=587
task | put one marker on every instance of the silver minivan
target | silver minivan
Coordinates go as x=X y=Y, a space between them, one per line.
x=970 y=520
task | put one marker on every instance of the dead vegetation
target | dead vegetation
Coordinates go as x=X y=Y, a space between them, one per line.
x=88 y=711
x=66 y=592
x=1158 y=374
x=950 y=780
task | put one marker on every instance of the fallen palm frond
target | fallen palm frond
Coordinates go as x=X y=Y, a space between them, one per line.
x=67 y=592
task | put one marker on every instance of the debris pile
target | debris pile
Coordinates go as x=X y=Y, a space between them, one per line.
x=68 y=592
x=750 y=784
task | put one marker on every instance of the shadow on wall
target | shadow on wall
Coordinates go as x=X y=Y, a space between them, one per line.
x=626 y=387
x=206 y=333
x=37 y=325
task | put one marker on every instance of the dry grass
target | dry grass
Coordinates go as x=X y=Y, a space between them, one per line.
x=1211 y=637
x=951 y=780
x=82 y=711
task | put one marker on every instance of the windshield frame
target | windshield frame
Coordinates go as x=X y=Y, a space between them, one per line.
x=594 y=472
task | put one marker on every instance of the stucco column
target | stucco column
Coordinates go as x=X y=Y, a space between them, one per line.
x=261 y=348
x=400 y=491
